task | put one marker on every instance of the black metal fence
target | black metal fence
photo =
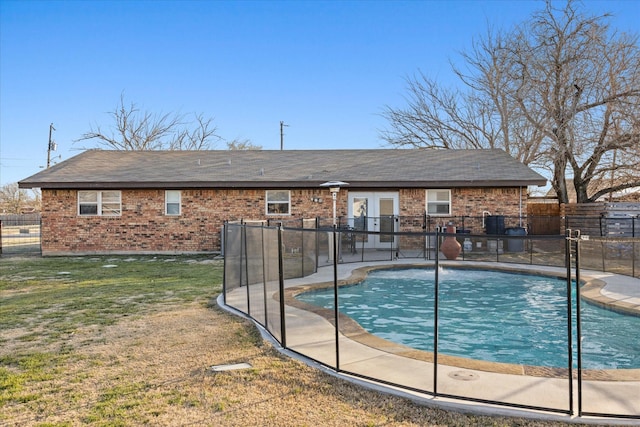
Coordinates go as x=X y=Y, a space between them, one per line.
x=491 y=238
x=20 y=234
x=597 y=226
x=266 y=265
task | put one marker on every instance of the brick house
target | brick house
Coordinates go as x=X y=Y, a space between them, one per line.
x=176 y=201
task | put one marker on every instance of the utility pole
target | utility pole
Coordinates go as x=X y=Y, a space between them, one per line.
x=52 y=145
x=282 y=125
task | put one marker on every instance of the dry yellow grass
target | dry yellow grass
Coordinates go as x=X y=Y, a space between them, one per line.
x=151 y=365
x=155 y=371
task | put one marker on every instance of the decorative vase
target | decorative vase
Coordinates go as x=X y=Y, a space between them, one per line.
x=450 y=247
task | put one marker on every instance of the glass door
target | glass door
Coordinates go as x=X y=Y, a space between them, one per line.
x=374 y=211
x=386 y=218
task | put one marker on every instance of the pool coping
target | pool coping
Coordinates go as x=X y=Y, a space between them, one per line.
x=593 y=290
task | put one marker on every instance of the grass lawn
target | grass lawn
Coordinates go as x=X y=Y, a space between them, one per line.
x=53 y=307
x=46 y=299
x=120 y=341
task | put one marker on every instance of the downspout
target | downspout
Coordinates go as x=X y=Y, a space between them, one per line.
x=520 y=209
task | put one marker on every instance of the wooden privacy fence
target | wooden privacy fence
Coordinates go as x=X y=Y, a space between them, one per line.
x=544 y=218
x=603 y=219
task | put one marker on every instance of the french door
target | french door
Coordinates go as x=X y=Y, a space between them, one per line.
x=374 y=211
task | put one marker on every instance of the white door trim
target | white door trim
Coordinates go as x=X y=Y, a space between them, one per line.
x=373 y=215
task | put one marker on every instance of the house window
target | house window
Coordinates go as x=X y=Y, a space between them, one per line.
x=172 y=202
x=278 y=202
x=100 y=203
x=438 y=202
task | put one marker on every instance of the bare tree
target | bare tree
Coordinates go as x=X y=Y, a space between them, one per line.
x=561 y=93
x=243 y=144
x=36 y=199
x=439 y=117
x=134 y=129
x=197 y=138
x=13 y=200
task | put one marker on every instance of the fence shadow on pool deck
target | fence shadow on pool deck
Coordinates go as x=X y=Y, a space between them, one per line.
x=265 y=265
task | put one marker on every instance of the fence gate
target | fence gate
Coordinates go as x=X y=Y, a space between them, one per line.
x=544 y=218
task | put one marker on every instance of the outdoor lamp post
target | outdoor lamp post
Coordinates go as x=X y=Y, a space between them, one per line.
x=334 y=188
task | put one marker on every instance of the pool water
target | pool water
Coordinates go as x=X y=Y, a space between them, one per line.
x=487 y=315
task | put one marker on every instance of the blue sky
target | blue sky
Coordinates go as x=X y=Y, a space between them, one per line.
x=327 y=69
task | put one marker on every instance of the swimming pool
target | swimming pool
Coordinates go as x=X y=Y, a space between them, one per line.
x=487 y=315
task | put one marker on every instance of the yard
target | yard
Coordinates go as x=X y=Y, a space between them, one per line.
x=130 y=341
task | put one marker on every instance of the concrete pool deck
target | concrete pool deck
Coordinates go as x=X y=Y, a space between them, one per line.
x=363 y=356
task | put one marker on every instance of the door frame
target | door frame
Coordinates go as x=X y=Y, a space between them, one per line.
x=373 y=222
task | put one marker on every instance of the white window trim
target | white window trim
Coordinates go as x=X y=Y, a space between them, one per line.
x=100 y=209
x=426 y=206
x=267 y=202
x=167 y=203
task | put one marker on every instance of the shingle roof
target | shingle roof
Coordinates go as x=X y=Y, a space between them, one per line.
x=383 y=168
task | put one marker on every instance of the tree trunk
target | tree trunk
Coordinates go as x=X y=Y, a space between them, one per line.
x=559 y=182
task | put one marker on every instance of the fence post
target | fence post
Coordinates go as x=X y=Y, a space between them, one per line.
x=578 y=321
x=243 y=237
x=633 y=246
x=335 y=298
x=264 y=278
x=302 y=247
x=425 y=244
x=567 y=254
x=223 y=248
x=435 y=316
x=317 y=238
x=601 y=231
x=283 y=329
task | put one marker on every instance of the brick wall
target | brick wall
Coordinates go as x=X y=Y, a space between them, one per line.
x=144 y=228
x=473 y=202
x=468 y=202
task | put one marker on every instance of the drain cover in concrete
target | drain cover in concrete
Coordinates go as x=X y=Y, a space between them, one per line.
x=464 y=375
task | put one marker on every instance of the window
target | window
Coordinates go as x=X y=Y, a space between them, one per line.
x=438 y=202
x=100 y=203
x=172 y=202
x=278 y=202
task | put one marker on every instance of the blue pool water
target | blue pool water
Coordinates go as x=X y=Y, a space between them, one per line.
x=487 y=315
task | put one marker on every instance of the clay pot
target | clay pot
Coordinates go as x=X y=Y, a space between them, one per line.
x=450 y=247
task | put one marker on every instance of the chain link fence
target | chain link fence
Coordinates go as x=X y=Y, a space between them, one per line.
x=20 y=235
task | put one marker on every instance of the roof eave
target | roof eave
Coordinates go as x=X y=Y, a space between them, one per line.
x=277 y=184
